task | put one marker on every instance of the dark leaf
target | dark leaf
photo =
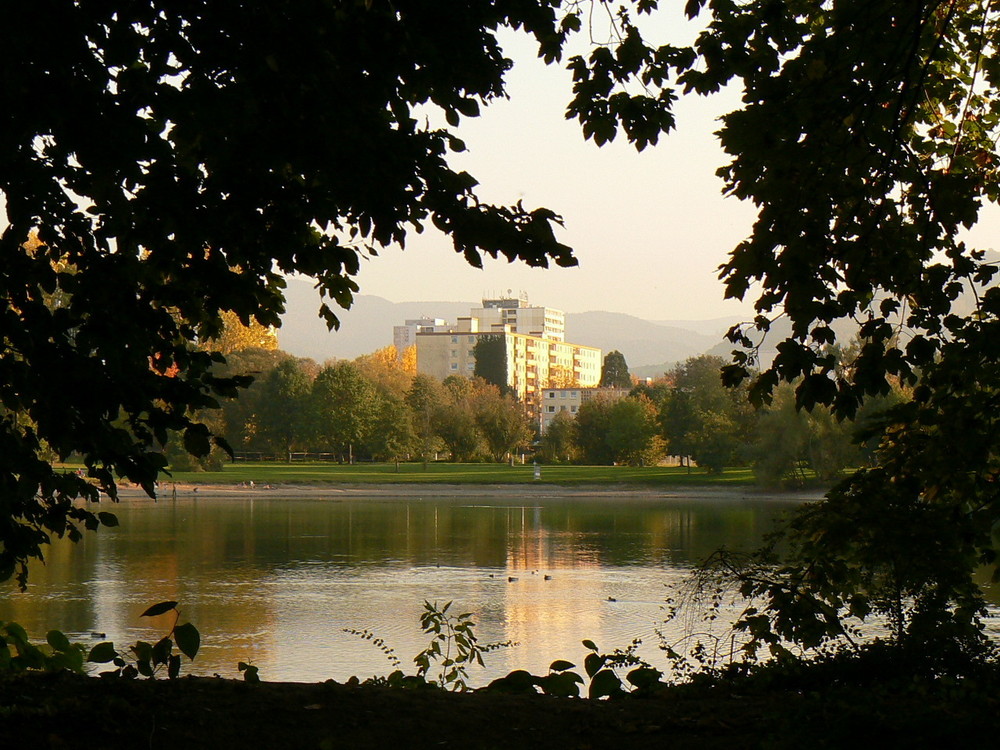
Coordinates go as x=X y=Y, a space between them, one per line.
x=188 y=639
x=159 y=609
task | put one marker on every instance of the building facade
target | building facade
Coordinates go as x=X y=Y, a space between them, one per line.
x=515 y=312
x=405 y=336
x=537 y=355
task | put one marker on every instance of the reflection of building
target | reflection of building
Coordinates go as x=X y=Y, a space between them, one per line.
x=536 y=354
x=557 y=400
x=556 y=592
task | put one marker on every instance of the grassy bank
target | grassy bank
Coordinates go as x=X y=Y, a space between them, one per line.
x=447 y=473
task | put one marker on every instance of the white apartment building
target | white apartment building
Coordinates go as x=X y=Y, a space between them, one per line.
x=537 y=355
x=405 y=336
x=542 y=322
x=554 y=401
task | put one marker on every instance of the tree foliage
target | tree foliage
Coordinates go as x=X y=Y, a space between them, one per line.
x=504 y=424
x=393 y=436
x=558 y=444
x=867 y=138
x=631 y=430
x=175 y=160
x=593 y=420
x=490 y=353
x=280 y=417
x=343 y=409
x=424 y=398
x=237 y=336
x=614 y=371
x=456 y=417
x=702 y=419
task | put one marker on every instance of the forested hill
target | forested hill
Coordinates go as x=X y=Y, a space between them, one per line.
x=368 y=326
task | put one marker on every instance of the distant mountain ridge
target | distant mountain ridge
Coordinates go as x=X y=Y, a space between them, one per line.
x=367 y=326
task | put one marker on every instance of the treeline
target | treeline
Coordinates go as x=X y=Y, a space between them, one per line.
x=689 y=414
x=372 y=408
x=377 y=408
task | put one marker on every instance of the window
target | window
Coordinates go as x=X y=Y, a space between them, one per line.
x=573 y=408
x=551 y=394
x=454 y=352
x=551 y=408
x=454 y=365
x=472 y=339
x=562 y=408
x=454 y=339
x=471 y=366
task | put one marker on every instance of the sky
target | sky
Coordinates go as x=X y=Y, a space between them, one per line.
x=649 y=229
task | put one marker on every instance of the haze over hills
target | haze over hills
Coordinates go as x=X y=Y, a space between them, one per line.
x=367 y=326
x=651 y=347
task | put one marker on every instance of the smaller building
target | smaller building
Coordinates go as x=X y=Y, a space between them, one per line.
x=554 y=401
x=405 y=336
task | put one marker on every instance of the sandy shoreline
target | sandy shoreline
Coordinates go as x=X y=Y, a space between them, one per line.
x=169 y=490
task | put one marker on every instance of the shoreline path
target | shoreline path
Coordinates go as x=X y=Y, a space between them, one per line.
x=531 y=491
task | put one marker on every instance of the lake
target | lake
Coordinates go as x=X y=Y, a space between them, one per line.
x=276 y=581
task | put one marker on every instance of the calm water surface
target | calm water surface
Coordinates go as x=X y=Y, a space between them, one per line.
x=276 y=581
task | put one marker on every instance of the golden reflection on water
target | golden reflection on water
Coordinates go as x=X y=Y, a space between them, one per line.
x=275 y=581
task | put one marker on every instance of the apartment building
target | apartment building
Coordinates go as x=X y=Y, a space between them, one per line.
x=405 y=336
x=542 y=322
x=537 y=356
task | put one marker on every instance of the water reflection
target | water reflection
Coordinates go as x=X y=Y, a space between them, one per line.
x=276 y=580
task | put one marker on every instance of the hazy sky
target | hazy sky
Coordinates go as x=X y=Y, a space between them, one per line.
x=649 y=229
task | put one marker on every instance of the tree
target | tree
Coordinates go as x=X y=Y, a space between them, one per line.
x=701 y=418
x=631 y=429
x=781 y=441
x=867 y=137
x=491 y=360
x=561 y=376
x=504 y=425
x=455 y=417
x=343 y=408
x=393 y=435
x=558 y=444
x=386 y=371
x=241 y=415
x=593 y=420
x=614 y=372
x=238 y=336
x=408 y=359
x=424 y=398
x=282 y=416
x=141 y=142
x=455 y=423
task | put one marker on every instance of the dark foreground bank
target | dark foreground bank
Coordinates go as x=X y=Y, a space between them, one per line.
x=63 y=711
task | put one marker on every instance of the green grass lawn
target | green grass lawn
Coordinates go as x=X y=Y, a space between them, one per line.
x=447 y=473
